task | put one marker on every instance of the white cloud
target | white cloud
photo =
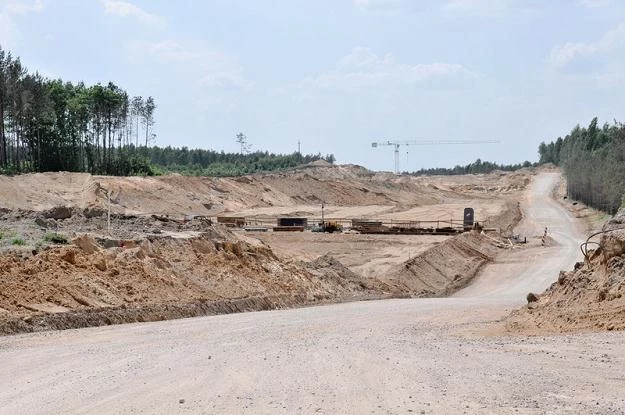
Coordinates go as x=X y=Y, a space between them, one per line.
x=21 y=8
x=11 y=9
x=563 y=55
x=591 y=4
x=363 y=68
x=490 y=8
x=125 y=9
x=378 y=5
x=170 y=50
x=209 y=68
x=225 y=79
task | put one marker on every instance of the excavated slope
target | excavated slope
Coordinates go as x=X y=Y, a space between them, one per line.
x=589 y=298
x=161 y=278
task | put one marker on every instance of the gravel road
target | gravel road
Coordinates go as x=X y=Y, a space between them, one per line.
x=381 y=357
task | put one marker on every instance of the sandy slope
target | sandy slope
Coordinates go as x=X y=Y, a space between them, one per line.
x=395 y=356
x=348 y=191
x=589 y=297
x=155 y=268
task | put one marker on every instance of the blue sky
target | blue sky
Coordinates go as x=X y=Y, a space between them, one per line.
x=339 y=74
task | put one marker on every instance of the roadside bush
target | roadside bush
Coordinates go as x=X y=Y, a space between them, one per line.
x=18 y=242
x=56 y=238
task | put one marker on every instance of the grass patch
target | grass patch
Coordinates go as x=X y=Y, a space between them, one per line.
x=56 y=238
x=18 y=242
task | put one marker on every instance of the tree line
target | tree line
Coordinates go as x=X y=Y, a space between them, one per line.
x=478 y=166
x=593 y=160
x=51 y=125
x=198 y=162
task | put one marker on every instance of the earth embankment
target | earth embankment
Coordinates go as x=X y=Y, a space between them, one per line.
x=164 y=257
x=590 y=297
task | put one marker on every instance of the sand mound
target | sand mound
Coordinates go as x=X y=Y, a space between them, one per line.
x=164 y=257
x=178 y=276
x=591 y=297
x=61 y=194
x=445 y=268
x=328 y=268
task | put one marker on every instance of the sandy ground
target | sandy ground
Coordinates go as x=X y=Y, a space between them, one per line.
x=155 y=267
x=394 y=356
x=367 y=255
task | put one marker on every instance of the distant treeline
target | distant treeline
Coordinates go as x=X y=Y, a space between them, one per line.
x=197 y=162
x=478 y=166
x=593 y=160
x=51 y=125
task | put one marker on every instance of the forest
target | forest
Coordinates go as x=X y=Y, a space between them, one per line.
x=51 y=125
x=478 y=166
x=593 y=160
x=198 y=162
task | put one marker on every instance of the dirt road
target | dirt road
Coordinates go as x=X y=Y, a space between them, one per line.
x=520 y=271
x=394 y=356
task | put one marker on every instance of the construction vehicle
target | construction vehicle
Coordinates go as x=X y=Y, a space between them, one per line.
x=329 y=226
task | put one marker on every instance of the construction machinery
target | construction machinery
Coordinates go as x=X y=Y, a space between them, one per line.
x=329 y=226
x=400 y=143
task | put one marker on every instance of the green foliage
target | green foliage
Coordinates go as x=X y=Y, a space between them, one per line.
x=56 y=238
x=476 y=167
x=593 y=160
x=18 y=242
x=1 y=235
x=199 y=162
x=51 y=125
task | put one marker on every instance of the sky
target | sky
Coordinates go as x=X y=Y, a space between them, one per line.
x=337 y=75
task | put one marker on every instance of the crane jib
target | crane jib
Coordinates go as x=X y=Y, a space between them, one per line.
x=400 y=143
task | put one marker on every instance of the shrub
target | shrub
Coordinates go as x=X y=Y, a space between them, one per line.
x=18 y=242
x=56 y=238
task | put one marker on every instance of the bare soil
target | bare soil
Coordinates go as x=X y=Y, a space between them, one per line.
x=155 y=264
x=430 y=355
x=588 y=298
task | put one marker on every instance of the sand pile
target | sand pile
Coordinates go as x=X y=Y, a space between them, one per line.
x=591 y=297
x=157 y=278
x=445 y=268
x=329 y=269
x=180 y=195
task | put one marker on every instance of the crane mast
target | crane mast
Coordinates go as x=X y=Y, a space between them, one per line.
x=398 y=143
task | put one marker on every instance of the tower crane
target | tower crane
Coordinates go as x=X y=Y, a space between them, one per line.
x=400 y=143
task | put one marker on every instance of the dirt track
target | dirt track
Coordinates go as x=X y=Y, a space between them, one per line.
x=394 y=356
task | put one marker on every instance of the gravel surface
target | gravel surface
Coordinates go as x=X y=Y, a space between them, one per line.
x=388 y=357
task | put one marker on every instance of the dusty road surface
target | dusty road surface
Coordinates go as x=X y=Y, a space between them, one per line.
x=394 y=356
x=520 y=271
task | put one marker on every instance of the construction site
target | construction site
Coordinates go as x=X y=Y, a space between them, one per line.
x=87 y=240
x=464 y=258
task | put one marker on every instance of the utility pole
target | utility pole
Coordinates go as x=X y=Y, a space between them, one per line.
x=108 y=201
